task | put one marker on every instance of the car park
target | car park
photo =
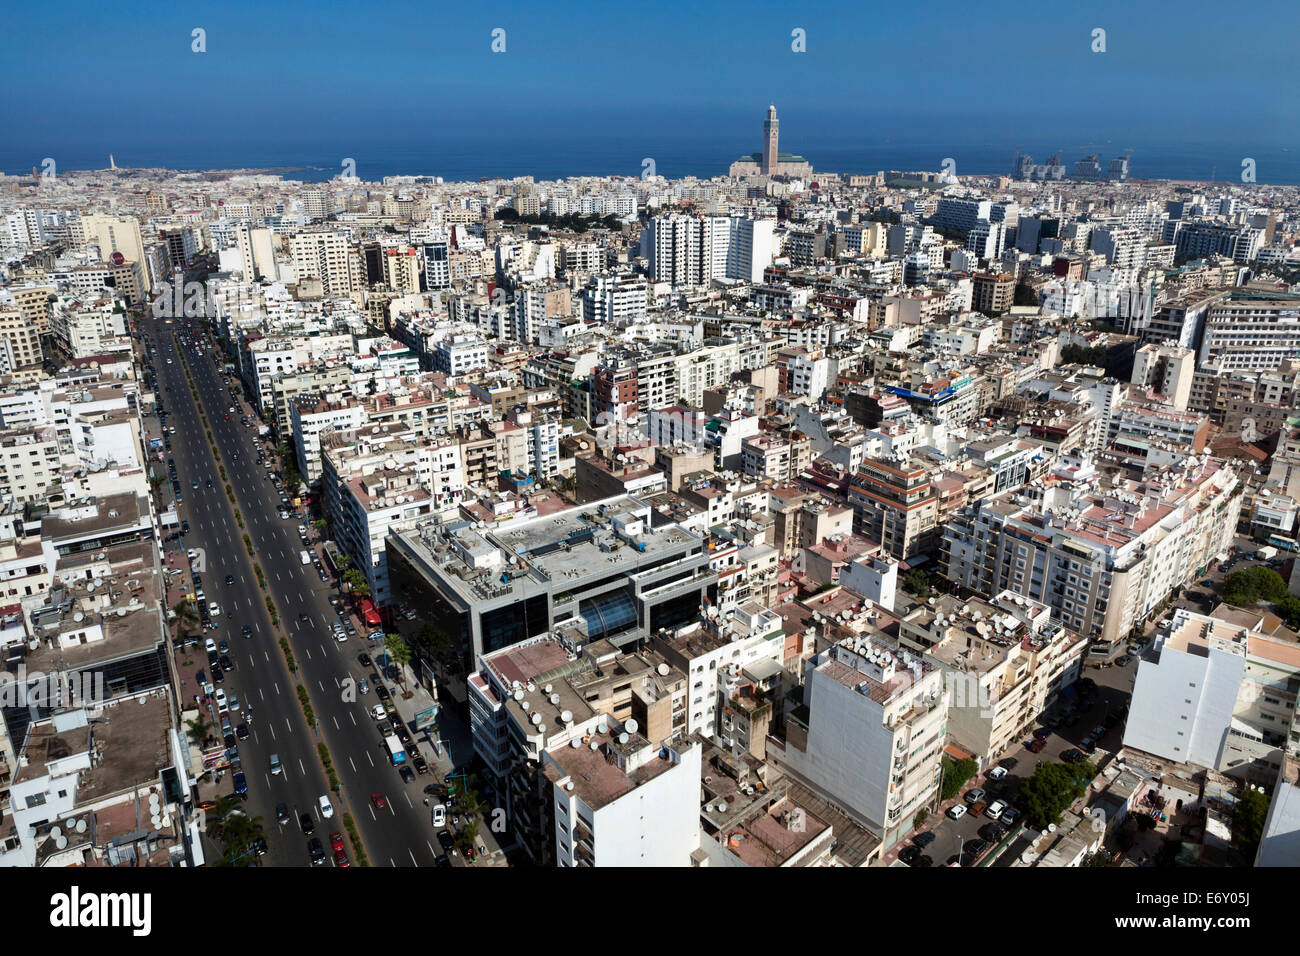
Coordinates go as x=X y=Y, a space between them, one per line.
x=1009 y=816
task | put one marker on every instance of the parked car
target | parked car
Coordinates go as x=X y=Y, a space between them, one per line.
x=1036 y=746
x=997 y=773
x=924 y=839
x=974 y=795
x=995 y=809
x=1009 y=816
x=316 y=850
x=957 y=811
x=1072 y=756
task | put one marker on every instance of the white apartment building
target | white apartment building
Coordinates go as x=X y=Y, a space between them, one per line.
x=869 y=734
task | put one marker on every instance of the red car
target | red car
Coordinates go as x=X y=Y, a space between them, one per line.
x=378 y=801
x=336 y=842
x=1036 y=746
x=341 y=858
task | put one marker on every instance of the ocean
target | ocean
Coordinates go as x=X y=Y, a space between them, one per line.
x=504 y=156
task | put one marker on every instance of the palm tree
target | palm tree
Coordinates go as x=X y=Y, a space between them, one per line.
x=200 y=729
x=400 y=652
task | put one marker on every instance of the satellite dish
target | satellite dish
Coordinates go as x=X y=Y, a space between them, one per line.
x=541 y=728
x=60 y=842
x=78 y=617
x=81 y=826
x=575 y=743
x=56 y=831
x=519 y=693
x=623 y=738
x=664 y=670
x=595 y=745
x=631 y=725
x=566 y=716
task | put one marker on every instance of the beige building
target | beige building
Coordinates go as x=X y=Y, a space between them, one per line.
x=117 y=234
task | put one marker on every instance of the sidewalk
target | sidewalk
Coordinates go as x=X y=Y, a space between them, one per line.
x=490 y=852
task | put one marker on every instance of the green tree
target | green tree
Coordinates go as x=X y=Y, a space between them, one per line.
x=917 y=582
x=1082 y=355
x=1248 y=821
x=400 y=652
x=1252 y=585
x=1100 y=858
x=1289 y=610
x=1051 y=790
x=355 y=581
x=955 y=775
x=199 y=729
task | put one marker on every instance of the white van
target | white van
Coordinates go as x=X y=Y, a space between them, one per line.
x=275 y=763
x=305 y=556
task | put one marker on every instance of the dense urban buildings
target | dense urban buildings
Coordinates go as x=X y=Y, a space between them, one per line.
x=702 y=522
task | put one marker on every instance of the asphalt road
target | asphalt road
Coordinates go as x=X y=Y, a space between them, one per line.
x=399 y=834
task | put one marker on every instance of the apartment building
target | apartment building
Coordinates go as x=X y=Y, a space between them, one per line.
x=868 y=734
x=1218 y=692
x=895 y=503
x=1101 y=552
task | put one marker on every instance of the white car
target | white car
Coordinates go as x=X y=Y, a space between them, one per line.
x=439 y=815
x=997 y=773
x=342 y=636
x=223 y=705
x=213 y=609
x=378 y=712
x=210 y=646
x=957 y=811
x=231 y=408
x=326 y=808
x=995 y=809
x=234 y=702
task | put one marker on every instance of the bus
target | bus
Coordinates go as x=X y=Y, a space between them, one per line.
x=396 y=753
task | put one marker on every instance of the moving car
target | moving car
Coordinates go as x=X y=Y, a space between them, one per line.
x=307 y=823
x=316 y=850
x=377 y=801
x=326 y=808
x=281 y=813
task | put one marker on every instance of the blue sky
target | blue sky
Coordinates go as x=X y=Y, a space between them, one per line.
x=295 y=74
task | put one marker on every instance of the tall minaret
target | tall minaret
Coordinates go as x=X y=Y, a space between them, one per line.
x=770 y=154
